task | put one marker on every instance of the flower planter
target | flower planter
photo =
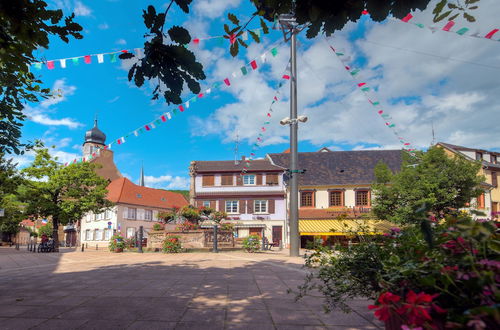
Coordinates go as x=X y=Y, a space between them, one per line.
x=117 y=250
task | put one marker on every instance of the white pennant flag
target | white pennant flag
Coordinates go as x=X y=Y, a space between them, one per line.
x=152 y=125
x=244 y=35
x=234 y=74
x=208 y=91
x=135 y=133
x=123 y=140
x=263 y=58
x=100 y=58
x=63 y=63
x=187 y=104
x=168 y=115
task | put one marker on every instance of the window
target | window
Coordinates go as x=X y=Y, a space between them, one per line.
x=494 y=179
x=231 y=206
x=249 y=179
x=480 y=201
x=208 y=180
x=494 y=159
x=362 y=198
x=336 y=198
x=206 y=203
x=227 y=180
x=98 y=235
x=306 y=198
x=479 y=156
x=148 y=215
x=260 y=206
x=107 y=214
x=130 y=232
x=89 y=217
x=99 y=216
x=88 y=235
x=107 y=234
x=132 y=213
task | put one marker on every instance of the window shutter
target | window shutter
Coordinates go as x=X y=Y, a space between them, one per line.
x=140 y=214
x=241 y=206
x=155 y=215
x=208 y=180
x=270 y=206
x=199 y=203
x=227 y=180
x=125 y=213
x=239 y=180
x=313 y=199
x=250 y=206
x=212 y=205
x=271 y=179
x=222 y=205
x=494 y=179
x=259 y=179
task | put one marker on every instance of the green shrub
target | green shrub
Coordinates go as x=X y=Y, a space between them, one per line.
x=158 y=226
x=172 y=244
x=251 y=243
x=226 y=226
x=116 y=242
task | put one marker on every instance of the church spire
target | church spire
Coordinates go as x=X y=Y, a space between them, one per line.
x=141 y=179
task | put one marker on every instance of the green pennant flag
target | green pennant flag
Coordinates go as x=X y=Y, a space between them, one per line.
x=267 y=123
x=158 y=121
x=274 y=51
x=280 y=84
x=376 y=103
x=221 y=41
x=365 y=89
x=244 y=70
x=75 y=60
x=420 y=25
x=38 y=65
x=340 y=54
x=392 y=125
x=174 y=111
x=112 y=58
x=216 y=85
x=462 y=31
x=141 y=130
x=354 y=72
x=193 y=99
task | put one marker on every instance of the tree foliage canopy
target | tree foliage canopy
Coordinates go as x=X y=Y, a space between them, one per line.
x=432 y=180
x=65 y=194
x=13 y=208
x=25 y=26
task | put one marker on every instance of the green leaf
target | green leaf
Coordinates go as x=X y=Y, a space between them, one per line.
x=264 y=27
x=441 y=17
x=183 y=4
x=469 y=18
x=226 y=28
x=254 y=36
x=233 y=19
x=149 y=16
x=179 y=34
x=242 y=43
x=439 y=7
x=452 y=6
x=494 y=245
x=234 y=49
x=453 y=17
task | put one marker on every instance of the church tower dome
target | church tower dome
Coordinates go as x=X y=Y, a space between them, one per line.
x=95 y=135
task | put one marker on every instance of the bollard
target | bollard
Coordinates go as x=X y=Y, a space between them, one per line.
x=34 y=248
x=29 y=246
x=215 y=240
x=83 y=247
x=17 y=246
x=96 y=247
x=281 y=245
x=141 y=232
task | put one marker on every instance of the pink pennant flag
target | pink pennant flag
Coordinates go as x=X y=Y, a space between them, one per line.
x=253 y=64
x=259 y=139
x=407 y=18
x=252 y=154
x=263 y=129
x=275 y=98
x=448 y=26
x=87 y=59
x=226 y=81
x=50 y=65
x=287 y=77
x=124 y=51
x=364 y=12
x=488 y=36
x=407 y=144
x=347 y=68
x=380 y=112
x=387 y=123
x=147 y=128
x=119 y=141
x=268 y=114
x=200 y=95
x=361 y=85
x=65 y=164
x=196 y=41
x=181 y=108
x=163 y=118
x=93 y=154
x=232 y=39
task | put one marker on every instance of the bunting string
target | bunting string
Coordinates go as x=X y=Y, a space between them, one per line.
x=367 y=90
x=263 y=129
x=112 y=57
x=253 y=65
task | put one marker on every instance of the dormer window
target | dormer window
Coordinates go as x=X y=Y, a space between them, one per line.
x=163 y=199
x=139 y=195
x=479 y=156
x=494 y=159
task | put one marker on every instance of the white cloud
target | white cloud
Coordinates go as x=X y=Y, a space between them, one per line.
x=81 y=9
x=121 y=41
x=60 y=90
x=114 y=99
x=41 y=118
x=214 y=8
x=103 y=26
x=421 y=79
x=167 y=182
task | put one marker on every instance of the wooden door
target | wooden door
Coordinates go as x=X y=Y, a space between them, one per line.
x=277 y=234
x=256 y=231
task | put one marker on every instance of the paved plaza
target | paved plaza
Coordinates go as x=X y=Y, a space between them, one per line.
x=102 y=290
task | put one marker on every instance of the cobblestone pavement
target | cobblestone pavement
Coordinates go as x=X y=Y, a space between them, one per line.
x=102 y=290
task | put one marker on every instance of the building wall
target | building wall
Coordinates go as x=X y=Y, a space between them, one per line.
x=199 y=188
x=268 y=230
x=322 y=196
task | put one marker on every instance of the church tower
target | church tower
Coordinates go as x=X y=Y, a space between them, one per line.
x=95 y=140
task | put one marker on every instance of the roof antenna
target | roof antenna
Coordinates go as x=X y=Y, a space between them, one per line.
x=236 y=150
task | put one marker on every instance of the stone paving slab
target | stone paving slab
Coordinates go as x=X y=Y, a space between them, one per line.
x=102 y=290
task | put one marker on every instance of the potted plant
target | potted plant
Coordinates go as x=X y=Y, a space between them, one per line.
x=158 y=227
x=434 y=275
x=116 y=243
x=172 y=244
x=251 y=243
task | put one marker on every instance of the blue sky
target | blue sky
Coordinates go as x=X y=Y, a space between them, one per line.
x=421 y=79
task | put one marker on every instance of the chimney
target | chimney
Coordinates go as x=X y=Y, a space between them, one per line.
x=243 y=158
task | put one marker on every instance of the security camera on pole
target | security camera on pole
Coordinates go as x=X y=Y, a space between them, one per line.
x=290 y=28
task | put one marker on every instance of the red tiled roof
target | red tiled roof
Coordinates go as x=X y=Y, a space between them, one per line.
x=217 y=166
x=122 y=190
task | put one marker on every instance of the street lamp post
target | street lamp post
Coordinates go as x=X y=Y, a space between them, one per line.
x=290 y=30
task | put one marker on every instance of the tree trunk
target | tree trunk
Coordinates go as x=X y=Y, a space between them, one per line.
x=55 y=233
